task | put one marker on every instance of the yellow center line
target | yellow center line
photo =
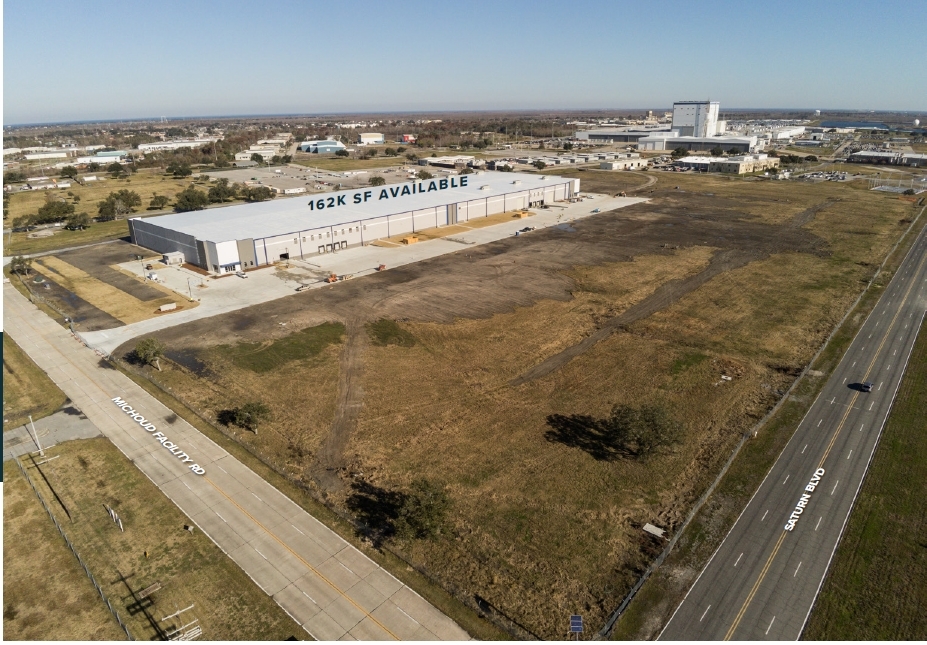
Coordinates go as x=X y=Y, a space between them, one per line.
x=775 y=551
x=299 y=557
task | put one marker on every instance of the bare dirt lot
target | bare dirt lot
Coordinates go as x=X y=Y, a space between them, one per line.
x=513 y=350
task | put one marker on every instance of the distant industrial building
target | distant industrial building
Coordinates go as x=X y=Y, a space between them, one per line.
x=787 y=132
x=35 y=156
x=624 y=164
x=738 y=165
x=619 y=135
x=266 y=152
x=370 y=138
x=454 y=161
x=887 y=157
x=322 y=146
x=232 y=238
x=174 y=145
x=672 y=142
x=103 y=157
x=697 y=118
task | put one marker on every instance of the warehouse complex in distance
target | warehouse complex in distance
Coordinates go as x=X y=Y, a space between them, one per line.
x=232 y=238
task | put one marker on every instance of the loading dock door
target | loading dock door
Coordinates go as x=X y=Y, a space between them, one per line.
x=321 y=249
x=344 y=244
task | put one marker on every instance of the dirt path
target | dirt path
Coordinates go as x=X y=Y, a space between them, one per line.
x=808 y=214
x=651 y=180
x=665 y=295
x=330 y=458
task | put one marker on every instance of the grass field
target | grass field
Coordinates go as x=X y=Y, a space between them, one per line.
x=877 y=585
x=26 y=389
x=189 y=566
x=542 y=527
x=146 y=183
x=46 y=594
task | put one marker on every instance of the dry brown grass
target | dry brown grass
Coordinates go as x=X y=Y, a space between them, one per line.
x=26 y=389
x=190 y=567
x=116 y=302
x=454 y=229
x=46 y=594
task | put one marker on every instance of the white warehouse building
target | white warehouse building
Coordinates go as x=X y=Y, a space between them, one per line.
x=236 y=237
x=370 y=138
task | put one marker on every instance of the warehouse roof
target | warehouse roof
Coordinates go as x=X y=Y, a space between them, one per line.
x=283 y=216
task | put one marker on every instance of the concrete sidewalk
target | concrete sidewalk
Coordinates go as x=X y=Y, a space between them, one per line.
x=330 y=588
x=231 y=293
x=64 y=425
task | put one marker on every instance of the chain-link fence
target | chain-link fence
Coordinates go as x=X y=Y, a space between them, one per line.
x=67 y=541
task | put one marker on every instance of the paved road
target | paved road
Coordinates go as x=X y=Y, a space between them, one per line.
x=330 y=588
x=763 y=580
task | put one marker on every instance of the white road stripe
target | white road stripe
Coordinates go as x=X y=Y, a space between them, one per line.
x=835 y=487
x=765 y=514
x=260 y=554
x=796 y=570
x=297 y=530
x=221 y=518
x=850 y=455
x=770 y=625
x=703 y=615
x=819 y=523
x=738 y=559
x=345 y=568
x=803 y=449
x=861 y=427
x=258 y=498
x=786 y=479
x=408 y=616
x=820 y=422
x=222 y=469
x=310 y=598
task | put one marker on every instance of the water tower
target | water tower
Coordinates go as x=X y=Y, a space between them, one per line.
x=917 y=122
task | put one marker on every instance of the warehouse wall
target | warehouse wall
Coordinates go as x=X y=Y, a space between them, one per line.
x=163 y=240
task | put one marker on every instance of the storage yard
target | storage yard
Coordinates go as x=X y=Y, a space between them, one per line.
x=508 y=353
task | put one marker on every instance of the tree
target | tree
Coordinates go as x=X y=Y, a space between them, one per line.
x=179 y=170
x=811 y=158
x=567 y=146
x=158 y=202
x=733 y=151
x=399 y=150
x=377 y=181
x=93 y=166
x=371 y=152
x=411 y=156
x=276 y=159
x=78 y=222
x=391 y=152
x=680 y=152
x=286 y=158
x=717 y=151
x=190 y=199
x=258 y=194
x=909 y=191
x=341 y=153
x=423 y=511
x=21 y=265
x=466 y=170
x=248 y=416
x=118 y=204
x=115 y=169
x=640 y=431
x=424 y=174
x=540 y=165
x=257 y=158
x=149 y=351
x=68 y=171
x=221 y=192
x=53 y=211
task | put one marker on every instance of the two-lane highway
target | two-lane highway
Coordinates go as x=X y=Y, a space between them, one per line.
x=764 y=578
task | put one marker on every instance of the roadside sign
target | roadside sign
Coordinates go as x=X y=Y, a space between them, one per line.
x=576 y=624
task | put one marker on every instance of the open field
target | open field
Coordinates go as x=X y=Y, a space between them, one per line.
x=26 y=389
x=154 y=548
x=46 y=594
x=98 y=232
x=146 y=182
x=877 y=585
x=510 y=351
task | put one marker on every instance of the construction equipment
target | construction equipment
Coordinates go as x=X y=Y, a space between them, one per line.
x=332 y=278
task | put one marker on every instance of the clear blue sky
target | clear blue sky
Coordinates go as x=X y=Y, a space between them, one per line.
x=98 y=60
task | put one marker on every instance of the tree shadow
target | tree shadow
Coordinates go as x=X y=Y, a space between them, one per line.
x=376 y=509
x=587 y=433
x=227 y=417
